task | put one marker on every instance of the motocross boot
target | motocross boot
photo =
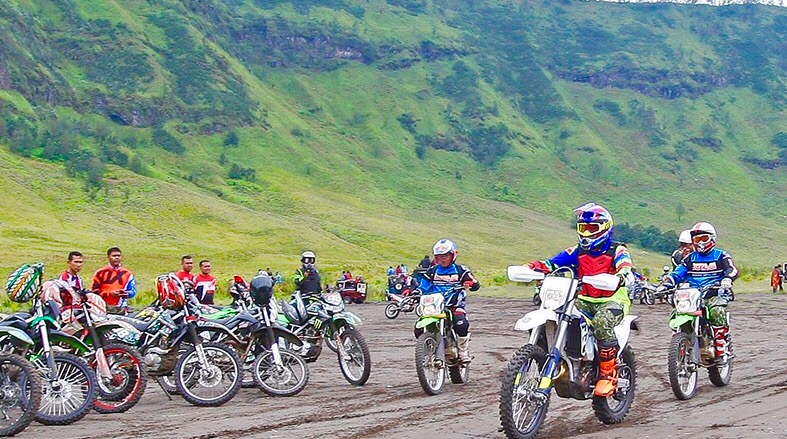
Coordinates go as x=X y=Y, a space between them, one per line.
x=720 y=334
x=608 y=373
x=463 y=345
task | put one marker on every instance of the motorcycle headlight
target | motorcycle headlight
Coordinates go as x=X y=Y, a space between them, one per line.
x=684 y=303
x=432 y=304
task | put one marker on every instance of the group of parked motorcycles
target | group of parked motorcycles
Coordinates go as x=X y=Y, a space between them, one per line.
x=68 y=356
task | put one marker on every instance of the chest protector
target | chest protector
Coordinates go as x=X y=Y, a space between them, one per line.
x=311 y=282
x=592 y=264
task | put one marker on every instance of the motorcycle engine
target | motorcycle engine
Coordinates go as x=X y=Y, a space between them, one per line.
x=152 y=361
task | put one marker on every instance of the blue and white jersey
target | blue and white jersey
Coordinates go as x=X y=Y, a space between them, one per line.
x=703 y=270
x=446 y=280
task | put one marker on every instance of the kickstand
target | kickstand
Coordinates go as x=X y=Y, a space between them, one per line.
x=158 y=380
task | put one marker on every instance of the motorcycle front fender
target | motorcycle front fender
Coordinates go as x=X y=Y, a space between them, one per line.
x=288 y=335
x=623 y=330
x=60 y=337
x=423 y=322
x=348 y=317
x=206 y=325
x=535 y=319
x=679 y=320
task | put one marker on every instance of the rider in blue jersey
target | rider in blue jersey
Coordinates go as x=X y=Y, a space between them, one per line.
x=450 y=279
x=705 y=267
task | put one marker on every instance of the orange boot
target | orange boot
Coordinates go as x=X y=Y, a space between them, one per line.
x=608 y=373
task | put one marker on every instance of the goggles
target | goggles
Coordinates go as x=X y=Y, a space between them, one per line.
x=590 y=229
x=698 y=239
x=308 y=260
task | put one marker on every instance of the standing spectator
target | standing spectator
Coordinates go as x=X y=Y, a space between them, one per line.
x=404 y=269
x=185 y=274
x=426 y=262
x=71 y=275
x=115 y=283
x=685 y=247
x=777 y=279
x=398 y=270
x=391 y=272
x=279 y=278
x=347 y=275
x=205 y=283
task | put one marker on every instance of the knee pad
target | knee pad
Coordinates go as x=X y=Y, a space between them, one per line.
x=461 y=324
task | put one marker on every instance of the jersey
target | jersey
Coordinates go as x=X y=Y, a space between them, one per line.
x=73 y=280
x=445 y=280
x=611 y=258
x=308 y=281
x=108 y=279
x=186 y=276
x=701 y=271
x=205 y=288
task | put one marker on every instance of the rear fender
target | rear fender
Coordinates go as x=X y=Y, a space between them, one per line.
x=535 y=319
x=623 y=330
x=15 y=336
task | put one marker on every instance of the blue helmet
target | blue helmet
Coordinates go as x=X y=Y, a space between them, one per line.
x=594 y=226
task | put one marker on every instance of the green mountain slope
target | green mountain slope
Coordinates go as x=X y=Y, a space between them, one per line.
x=249 y=130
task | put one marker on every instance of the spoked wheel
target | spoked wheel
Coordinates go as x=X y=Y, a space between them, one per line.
x=720 y=375
x=210 y=384
x=20 y=394
x=682 y=371
x=68 y=398
x=522 y=406
x=430 y=369
x=536 y=299
x=613 y=409
x=355 y=362
x=647 y=297
x=392 y=310
x=460 y=374
x=169 y=384
x=126 y=383
x=286 y=379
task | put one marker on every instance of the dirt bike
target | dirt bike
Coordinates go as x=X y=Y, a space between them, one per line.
x=68 y=384
x=537 y=294
x=643 y=291
x=324 y=317
x=275 y=370
x=693 y=344
x=562 y=354
x=20 y=387
x=401 y=303
x=172 y=341
x=120 y=375
x=436 y=350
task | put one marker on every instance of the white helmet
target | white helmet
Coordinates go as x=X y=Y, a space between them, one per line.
x=445 y=247
x=703 y=229
x=685 y=237
x=308 y=255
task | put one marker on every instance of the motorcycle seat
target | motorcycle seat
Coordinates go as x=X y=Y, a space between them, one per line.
x=140 y=325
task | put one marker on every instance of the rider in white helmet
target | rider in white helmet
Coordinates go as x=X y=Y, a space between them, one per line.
x=685 y=247
x=307 y=278
x=443 y=278
x=709 y=266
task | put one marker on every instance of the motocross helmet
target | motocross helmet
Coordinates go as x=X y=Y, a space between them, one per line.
x=685 y=237
x=445 y=247
x=594 y=226
x=703 y=236
x=308 y=258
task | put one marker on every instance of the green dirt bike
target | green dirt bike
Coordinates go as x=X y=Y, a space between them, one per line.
x=436 y=351
x=325 y=317
x=692 y=345
x=562 y=354
x=68 y=384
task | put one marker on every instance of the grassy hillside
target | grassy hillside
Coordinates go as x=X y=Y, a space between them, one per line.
x=248 y=131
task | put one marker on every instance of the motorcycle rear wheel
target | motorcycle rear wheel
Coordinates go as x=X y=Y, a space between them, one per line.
x=523 y=373
x=682 y=380
x=459 y=374
x=125 y=363
x=431 y=377
x=627 y=368
x=720 y=376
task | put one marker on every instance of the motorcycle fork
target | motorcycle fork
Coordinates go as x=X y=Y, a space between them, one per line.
x=98 y=347
x=552 y=365
x=274 y=348
x=198 y=346
x=49 y=356
x=441 y=341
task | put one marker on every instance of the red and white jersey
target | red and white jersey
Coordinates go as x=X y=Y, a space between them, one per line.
x=73 y=280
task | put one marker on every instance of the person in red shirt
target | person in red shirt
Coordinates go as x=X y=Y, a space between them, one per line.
x=205 y=283
x=185 y=275
x=71 y=275
x=114 y=283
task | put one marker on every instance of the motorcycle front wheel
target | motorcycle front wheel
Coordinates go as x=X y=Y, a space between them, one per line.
x=356 y=363
x=430 y=369
x=392 y=311
x=20 y=393
x=71 y=395
x=212 y=384
x=127 y=381
x=522 y=406
x=682 y=372
x=613 y=409
x=287 y=379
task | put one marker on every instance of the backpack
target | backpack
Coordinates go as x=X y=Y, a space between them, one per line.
x=24 y=282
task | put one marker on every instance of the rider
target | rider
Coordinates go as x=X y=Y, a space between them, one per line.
x=683 y=250
x=597 y=253
x=704 y=267
x=444 y=277
x=307 y=278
